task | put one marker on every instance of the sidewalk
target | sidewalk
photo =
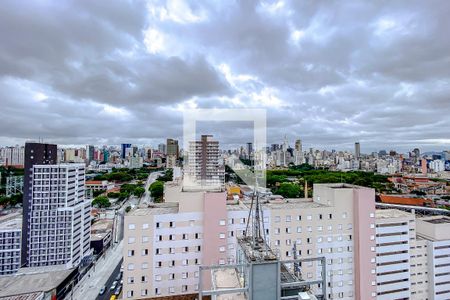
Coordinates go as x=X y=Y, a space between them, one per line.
x=90 y=286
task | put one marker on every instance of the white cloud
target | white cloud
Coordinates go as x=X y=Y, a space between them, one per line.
x=154 y=41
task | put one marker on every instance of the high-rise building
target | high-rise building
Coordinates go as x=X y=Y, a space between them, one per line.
x=90 y=153
x=35 y=154
x=10 y=235
x=162 y=148
x=58 y=216
x=124 y=148
x=12 y=156
x=298 y=146
x=357 y=150
x=249 y=150
x=203 y=163
x=172 y=148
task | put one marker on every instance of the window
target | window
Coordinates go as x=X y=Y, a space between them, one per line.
x=185 y=262
x=199 y=248
x=171 y=224
x=299 y=218
x=144 y=252
x=231 y=221
x=172 y=250
x=145 y=239
x=184 y=288
x=157 y=291
x=145 y=226
x=288 y=218
x=172 y=263
x=186 y=249
x=144 y=278
x=172 y=276
x=157 y=277
x=131 y=280
x=344 y=215
x=144 y=266
x=130 y=267
x=185 y=236
x=131 y=226
x=222 y=235
x=309 y=217
x=130 y=294
x=277 y=219
x=158 y=251
x=159 y=264
x=330 y=216
x=157 y=225
x=131 y=240
x=319 y=228
x=171 y=290
x=288 y=229
x=222 y=249
x=130 y=253
x=144 y=292
x=184 y=275
x=222 y=223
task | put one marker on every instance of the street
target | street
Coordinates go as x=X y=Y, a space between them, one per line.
x=89 y=287
x=146 y=198
x=108 y=293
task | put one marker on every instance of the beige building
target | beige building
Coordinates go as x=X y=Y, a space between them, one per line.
x=165 y=244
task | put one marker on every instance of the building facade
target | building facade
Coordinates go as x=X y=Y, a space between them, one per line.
x=204 y=162
x=10 y=236
x=58 y=231
x=166 y=244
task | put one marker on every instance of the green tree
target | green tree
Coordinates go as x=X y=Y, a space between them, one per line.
x=101 y=201
x=289 y=190
x=139 y=191
x=157 y=190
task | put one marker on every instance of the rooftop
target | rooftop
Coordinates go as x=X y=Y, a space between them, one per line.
x=156 y=209
x=391 y=213
x=438 y=220
x=33 y=280
x=11 y=222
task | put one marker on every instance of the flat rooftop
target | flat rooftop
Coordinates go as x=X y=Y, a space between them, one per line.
x=33 y=280
x=156 y=209
x=391 y=213
x=439 y=220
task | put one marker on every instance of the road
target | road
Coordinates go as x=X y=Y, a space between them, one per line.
x=111 y=278
x=146 y=198
x=89 y=287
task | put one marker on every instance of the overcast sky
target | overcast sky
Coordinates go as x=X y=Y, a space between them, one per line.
x=328 y=72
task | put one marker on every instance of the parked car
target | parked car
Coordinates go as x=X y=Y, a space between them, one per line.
x=119 y=276
x=118 y=290
x=102 y=290
x=113 y=285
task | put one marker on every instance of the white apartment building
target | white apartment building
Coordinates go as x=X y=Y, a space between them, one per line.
x=12 y=156
x=59 y=216
x=165 y=244
x=10 y=239
x=203 y=166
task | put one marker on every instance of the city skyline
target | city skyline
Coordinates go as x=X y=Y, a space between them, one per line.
x=111 y=73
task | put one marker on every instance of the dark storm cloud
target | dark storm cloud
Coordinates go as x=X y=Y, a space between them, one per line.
x=329 y=72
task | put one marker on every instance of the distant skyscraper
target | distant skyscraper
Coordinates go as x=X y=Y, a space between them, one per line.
x=357 y=150
x=298 y=146
x=162 y=148
x=124 y=150
x=35 y=154
x=172 y=148
x=90 y=153
x=249 y=150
